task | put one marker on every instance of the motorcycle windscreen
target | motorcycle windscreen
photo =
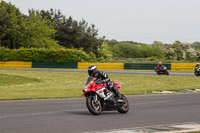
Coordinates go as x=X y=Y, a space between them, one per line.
x=89 y=79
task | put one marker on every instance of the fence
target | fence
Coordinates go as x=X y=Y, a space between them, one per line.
x=182 y=66
x=72 y=65
x=18 y=64
x=102 y=65
x=144 y=66
x=80 y=65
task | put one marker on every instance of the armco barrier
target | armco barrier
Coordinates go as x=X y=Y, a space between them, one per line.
x=19 y=64
x=102 y=65
x=144 y=66
x=182 y=66
x=54 y=65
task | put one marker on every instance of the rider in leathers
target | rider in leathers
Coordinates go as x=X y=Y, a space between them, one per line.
x=92 y=71
x=197 y=66
x=159 y=66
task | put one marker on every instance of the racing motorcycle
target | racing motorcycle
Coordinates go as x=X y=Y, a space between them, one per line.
x=99 y=98
x=197 y=71
x=163 y=70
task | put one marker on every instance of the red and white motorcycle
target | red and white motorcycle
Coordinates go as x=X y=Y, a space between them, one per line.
x=162 y=70
x=99 y=98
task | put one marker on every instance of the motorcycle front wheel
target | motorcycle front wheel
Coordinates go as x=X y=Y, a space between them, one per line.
x=196 y=73
x=94 y=105
x=125 y=106
x=158 y=73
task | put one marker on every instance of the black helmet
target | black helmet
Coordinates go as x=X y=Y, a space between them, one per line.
x=92 y=70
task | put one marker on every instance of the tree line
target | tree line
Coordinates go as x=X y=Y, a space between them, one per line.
x=176 y=51
x=50 y=29
x=45 y=29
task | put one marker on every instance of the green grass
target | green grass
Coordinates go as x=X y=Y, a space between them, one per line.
x=37 y=85
x=6 y=80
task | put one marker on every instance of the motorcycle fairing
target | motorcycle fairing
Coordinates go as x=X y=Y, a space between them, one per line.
x=99 y=89
x=118 y=85
x=101 y=93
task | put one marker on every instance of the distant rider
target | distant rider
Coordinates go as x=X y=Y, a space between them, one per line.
x=159 y=66
x=197 y=66
x=94 y=72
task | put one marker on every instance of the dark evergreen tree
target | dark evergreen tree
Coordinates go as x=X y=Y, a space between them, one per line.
x=74 y=34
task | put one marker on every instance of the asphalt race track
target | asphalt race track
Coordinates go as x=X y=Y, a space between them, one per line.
x=109 y=72
x=72 y=116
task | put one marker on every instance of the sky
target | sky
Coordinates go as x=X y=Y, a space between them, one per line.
x=142 y=21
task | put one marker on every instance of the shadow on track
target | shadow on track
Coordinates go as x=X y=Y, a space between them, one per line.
x=88 y=113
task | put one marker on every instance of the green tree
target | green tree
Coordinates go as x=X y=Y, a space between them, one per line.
x=104 y=51
x=180 y=51
x=112 y=42
x=196 y=45
x=158 y=44
x=130 y=50
x=39 y=33
x=169 y=53
x=10 y=19
x=18 y=30
x=71 y=33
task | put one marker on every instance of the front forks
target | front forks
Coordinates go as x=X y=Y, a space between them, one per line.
x=95 y=100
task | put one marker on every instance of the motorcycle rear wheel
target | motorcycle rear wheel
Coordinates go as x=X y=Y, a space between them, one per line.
x=166 y=72
x=94 y=106
x=125 y=107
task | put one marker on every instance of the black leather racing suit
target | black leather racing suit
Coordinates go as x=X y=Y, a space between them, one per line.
x=110 y=85
x=104 y=77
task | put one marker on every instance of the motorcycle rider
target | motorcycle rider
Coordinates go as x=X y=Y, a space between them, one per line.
x=197 y=66
x=159 y=66
x=94 y=72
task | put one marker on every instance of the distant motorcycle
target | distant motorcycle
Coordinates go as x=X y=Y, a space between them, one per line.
x=162 y=70
x=197 y=71
x=99 y=98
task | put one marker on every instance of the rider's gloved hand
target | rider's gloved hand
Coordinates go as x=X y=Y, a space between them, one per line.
x=98 y=81
x=103 y=81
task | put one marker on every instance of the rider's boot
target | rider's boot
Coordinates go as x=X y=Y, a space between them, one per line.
x=119 y=97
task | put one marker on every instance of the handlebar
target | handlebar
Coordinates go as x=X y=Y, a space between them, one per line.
x=98 y=81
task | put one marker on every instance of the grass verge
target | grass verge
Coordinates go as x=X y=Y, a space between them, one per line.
x=40 y=85
x=7 y=80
